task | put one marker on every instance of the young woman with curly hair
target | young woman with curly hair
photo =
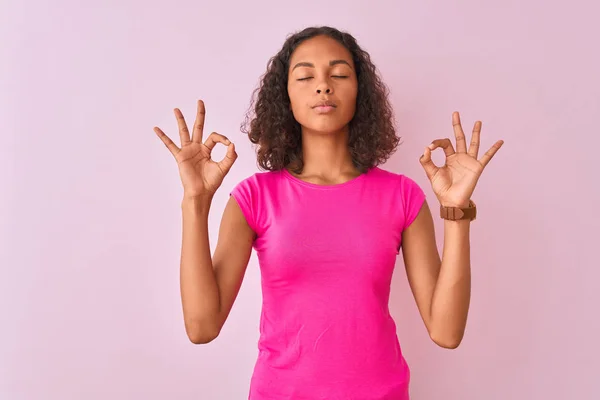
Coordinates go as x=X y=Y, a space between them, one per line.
x=327 y=224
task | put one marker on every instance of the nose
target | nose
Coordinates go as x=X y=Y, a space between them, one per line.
x=323 y=87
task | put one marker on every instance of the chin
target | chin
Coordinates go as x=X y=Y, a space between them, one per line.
x=324 y=126
x=325 y=129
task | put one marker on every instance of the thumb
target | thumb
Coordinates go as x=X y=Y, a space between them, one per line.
x=230 y=157
x=427 y=163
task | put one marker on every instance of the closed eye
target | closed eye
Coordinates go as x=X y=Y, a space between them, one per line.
x=333 y=76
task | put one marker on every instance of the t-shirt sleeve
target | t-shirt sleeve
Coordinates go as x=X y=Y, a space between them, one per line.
x=244 y=194
x=413 y=198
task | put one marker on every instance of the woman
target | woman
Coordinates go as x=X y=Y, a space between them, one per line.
x=327 y=224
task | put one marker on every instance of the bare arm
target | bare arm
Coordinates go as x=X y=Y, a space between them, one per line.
x=442 y=288
x=209 y=286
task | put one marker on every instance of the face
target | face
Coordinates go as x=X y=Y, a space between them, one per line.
x=322 y=71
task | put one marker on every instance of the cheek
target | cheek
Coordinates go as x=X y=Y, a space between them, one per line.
x=296 y=97
x=299 y=100
x=350 y=101
x=351 y=92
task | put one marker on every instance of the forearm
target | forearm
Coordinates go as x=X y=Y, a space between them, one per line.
x=452 y=293
x=199 y=289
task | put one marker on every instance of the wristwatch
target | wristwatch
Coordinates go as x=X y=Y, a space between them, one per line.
x=458 y=214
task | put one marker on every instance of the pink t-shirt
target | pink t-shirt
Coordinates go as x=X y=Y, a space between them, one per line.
x=326 y=255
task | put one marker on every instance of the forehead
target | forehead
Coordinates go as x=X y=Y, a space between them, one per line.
x=320 y=49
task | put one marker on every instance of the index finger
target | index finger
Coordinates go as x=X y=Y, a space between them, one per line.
x=199 y=124
x=445 y=144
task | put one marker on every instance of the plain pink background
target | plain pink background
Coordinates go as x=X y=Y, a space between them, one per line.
x=89 y=207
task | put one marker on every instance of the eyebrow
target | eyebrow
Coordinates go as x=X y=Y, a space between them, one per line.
x=311 y=65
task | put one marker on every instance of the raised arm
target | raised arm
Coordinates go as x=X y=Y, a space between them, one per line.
x=209 y=285
x=442 y=288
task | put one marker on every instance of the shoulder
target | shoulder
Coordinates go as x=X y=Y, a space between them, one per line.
x=259 y=180
x=397 y=180
x=254 y=196
x=407 y=192
x=402 y=187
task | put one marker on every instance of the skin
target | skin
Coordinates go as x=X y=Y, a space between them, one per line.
x=322 y=69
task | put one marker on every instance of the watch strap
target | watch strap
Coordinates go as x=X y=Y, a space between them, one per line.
x=458 y=213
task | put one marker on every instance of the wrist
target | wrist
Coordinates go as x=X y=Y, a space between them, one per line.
x=458 y=211
x=197 y=202
x=463 y=204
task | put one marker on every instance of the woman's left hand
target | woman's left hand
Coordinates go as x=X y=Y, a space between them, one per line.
x=454 y=183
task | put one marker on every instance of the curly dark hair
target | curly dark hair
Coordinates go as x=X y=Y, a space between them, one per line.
x=270 y=124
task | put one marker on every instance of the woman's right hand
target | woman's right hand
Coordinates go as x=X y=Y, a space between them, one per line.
x=200 y=175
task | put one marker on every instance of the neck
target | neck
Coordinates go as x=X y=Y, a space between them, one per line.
x=326 y=155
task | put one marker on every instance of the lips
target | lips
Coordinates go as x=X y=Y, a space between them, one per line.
x=326 y=103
